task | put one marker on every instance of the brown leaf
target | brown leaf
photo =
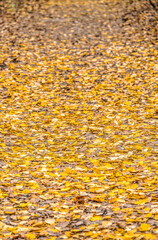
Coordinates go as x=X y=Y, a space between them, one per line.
x=79 y=199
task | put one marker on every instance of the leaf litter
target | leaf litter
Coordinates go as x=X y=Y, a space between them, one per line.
x=78 y=121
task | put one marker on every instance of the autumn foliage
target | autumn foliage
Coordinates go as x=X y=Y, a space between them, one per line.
x=78 y=121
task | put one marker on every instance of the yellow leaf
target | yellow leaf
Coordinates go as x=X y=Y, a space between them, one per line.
x=89 y=233
x=134 y=186
x=144 y=227
x=141 y=201
x=38 y=224
x=116 y=209
x=150 y=236
x=1 y=195
x=23 y=205
x=96 y=218
x=23 y=125
x=65 y=189
x=30 y=236
x=110 y=235
x=2 y=225
x=138 y=147
x=9 y=211
x=148 y=215
x=108 y=166
x=111 y=194
x=128 y=103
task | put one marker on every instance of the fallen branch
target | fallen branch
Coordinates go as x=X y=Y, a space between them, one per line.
x=153 y=5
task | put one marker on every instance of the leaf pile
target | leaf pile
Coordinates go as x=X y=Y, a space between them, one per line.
x=78 y=120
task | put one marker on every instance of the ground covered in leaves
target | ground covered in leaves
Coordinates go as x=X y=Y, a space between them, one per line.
x=78 y=118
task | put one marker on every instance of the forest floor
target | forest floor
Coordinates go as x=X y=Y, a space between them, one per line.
x=78 y=119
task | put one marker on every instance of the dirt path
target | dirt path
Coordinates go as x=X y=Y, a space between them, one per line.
x=78 y=119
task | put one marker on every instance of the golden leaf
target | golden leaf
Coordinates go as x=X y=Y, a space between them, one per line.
x=144 y=227
x=96 y=218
